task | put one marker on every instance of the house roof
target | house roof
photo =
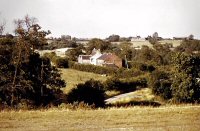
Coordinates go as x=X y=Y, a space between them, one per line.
x=85 y=57
x=104 y=56
x=97 y=55
x=108 y=57
x=95 y=51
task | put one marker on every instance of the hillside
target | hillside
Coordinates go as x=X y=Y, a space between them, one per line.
x=73 y=77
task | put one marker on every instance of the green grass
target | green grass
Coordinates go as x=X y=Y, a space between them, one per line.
x=175 y=118
x=73 y=77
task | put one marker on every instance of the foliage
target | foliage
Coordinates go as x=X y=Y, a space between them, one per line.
x=154 y=39
x=25 y=77
x=161 y=84
x=61 y=62
x=98 y=44
x=163 y=50
x=73 y=54
x=186 y=85
x=126 y=51
x=115 y=83
x=141 y=66
x=128 y=73
x=91 y=92
x=189 y=46
x=113 y=38
x=92 y=68
x=37 y=83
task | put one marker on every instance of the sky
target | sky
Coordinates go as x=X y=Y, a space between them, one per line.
x=101 y=18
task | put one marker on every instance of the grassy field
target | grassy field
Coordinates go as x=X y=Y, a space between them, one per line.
x=173 y=118
x=73 y=77
x=175 y=43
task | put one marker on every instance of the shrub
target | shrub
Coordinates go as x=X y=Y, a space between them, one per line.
x=127 y=73
x=91 y=92
x=92 y=68
x=161 y=84
x=142 y=66
x=115 y=83
x=61 y=63
x=58 y=61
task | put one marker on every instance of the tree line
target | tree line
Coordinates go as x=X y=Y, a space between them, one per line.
x=28 y=78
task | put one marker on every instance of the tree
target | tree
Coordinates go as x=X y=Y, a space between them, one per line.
x=98 y=44
x=2 y=27
x=189 y=46
x=155 y=35
x=186 y=85
x=126 y=51
x=163 y=50
x=91 y=92
x=160 y=83
x=73 y=54
x=154 y=39
x=113 y=38
x=191 y=37
x=29 y=77
x=147 y=54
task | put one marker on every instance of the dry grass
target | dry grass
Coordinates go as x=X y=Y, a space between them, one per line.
x=136 y=96
x=185 y=117
x=175 y=43
x=73 y=77
x=140 y=43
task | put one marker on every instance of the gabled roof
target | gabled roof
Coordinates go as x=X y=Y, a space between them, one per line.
x=97 y=55
x=108 y=57
x=94 y=51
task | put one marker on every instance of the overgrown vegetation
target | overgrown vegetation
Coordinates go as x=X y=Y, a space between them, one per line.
x=28 y=79
x=91 y=92
x=25 y=77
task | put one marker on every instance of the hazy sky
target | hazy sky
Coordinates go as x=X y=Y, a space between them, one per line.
x=101 y=18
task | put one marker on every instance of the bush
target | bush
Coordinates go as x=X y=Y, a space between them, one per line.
x=142 y=66
x=115 y=83
x=61 y=63
x=91 y=92
x=92 y=68
x=161 y=84
x=124 y=73
x=58 y=61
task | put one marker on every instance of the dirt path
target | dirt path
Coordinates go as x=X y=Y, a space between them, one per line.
x=139 y=95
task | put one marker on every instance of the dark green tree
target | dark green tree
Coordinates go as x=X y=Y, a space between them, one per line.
x=91 y=92
x=160 y=82
x=98 y=44
x=186 y=84
x=113 y=38
x=28 y=76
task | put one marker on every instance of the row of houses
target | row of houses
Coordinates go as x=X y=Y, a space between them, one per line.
x=97 y=58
